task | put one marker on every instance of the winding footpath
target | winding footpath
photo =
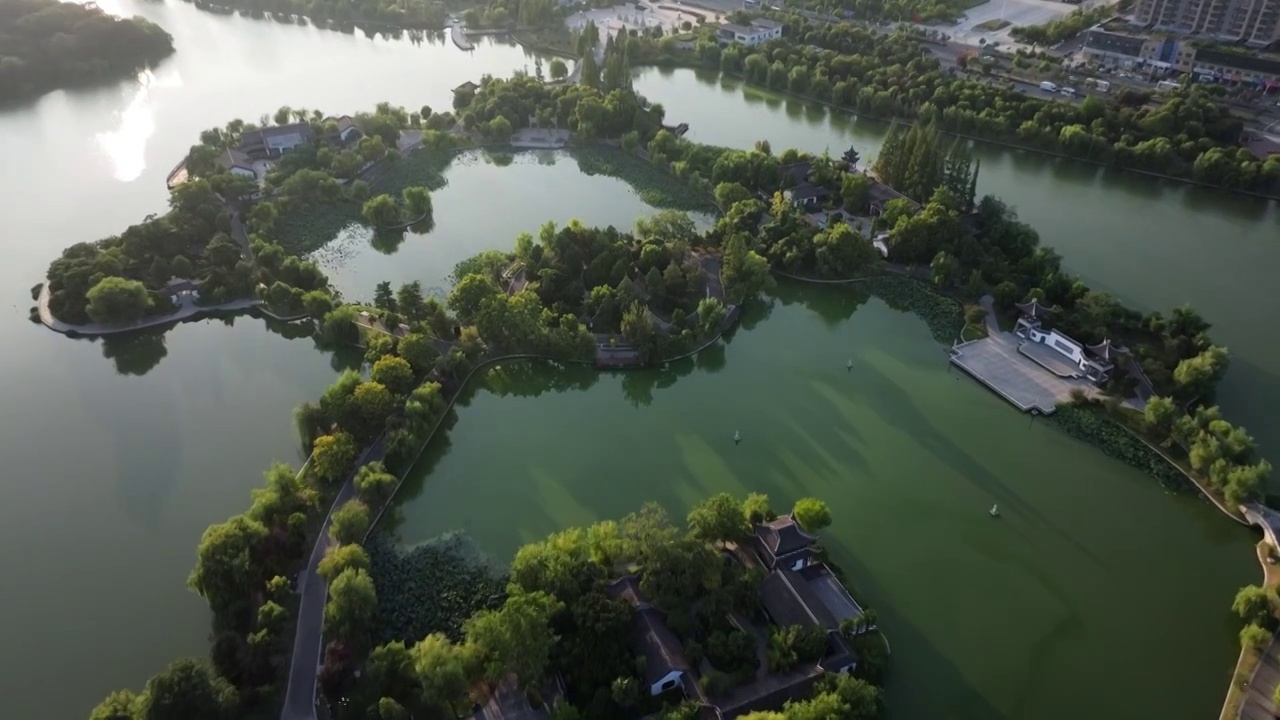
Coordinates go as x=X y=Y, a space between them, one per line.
x=308 y=639
x=188 y=309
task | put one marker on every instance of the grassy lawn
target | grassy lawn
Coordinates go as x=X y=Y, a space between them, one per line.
x=992 y=25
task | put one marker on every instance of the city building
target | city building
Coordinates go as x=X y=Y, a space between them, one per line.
x=761 y=30
x=1254 y=22
x=1234 y=67
x=1128 y=51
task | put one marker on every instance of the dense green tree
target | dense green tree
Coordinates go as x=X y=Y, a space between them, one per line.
x=470 y=294
x=332 y=456
x=353 y=600
x=188 y=690
x=558 y=69
x=340 y=558
x=50 y=45
x=1254 y=604
x=317 y=303
x=339 y=326
x=517 y=638
x=417 y=200
x=374 y=484
x=756 y=508
x=717 y=518
x=349 y=523
x=1254 y=636
x=117 y=301
x=381 y=211
x=812 y=513
x=1159 y=416
x=745 y=273
x=1196 y=376
x=417 y=350
x=226 y=563
x=711 y=316
x=393 y=372
x=443 y=671
x=119 y=705
x=373 y=404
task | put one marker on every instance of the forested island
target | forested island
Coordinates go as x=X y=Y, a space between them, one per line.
x=46 y=45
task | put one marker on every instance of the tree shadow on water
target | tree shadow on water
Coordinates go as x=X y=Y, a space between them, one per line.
x=711 y=358
x=755 y=312
x=834 y=304
x=894 y=406
x=949 y=694
x=135 y=353
x=387 y=241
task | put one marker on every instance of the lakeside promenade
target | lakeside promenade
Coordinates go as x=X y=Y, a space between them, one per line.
x=187 y=310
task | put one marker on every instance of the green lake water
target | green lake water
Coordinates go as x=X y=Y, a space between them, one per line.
x=1097 y=593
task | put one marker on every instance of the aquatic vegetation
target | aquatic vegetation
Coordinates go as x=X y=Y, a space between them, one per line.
x=941 y=313
x=654 y=186
x=433 y=587
x=1093 y=426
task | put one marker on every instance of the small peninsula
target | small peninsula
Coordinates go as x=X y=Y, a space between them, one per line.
x=47 y=45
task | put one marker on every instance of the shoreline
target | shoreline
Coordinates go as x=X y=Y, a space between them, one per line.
x=187 y=312
x=895 y=120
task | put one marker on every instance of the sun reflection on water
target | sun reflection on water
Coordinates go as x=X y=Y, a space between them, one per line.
x=126 y=146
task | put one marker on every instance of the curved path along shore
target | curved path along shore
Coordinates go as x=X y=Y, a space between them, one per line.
x=187 y=310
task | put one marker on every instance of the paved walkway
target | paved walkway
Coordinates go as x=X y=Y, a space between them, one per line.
x=308 y=639
x=188 y=309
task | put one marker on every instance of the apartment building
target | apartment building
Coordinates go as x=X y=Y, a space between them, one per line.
x=1254 y=22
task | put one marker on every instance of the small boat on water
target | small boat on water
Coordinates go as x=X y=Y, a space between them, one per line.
x=736 y=437
x=995 y=511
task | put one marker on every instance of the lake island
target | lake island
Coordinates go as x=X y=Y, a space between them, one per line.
x=498 y=306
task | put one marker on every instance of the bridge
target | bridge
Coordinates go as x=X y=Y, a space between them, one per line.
x=1265 y=518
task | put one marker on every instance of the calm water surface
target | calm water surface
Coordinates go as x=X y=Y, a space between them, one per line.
x=119 y=455
x=1034 y=616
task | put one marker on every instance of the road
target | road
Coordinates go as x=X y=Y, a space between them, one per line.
x=308 y=640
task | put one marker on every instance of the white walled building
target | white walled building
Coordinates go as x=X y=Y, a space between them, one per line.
x=760 y=31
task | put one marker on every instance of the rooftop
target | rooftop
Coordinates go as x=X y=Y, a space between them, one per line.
x=1237 y=61
x=805 y=191
x=787 y=597
x=1106 y=350
x=796 y=172
x=1033 y=309
x=737 y=29
x=232 y=157
x=1119 y=43
x=660 y=647
x=784 y=536
x=766 y=24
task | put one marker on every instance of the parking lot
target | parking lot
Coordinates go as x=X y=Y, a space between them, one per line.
x=668 y=16
x=1016 y=12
